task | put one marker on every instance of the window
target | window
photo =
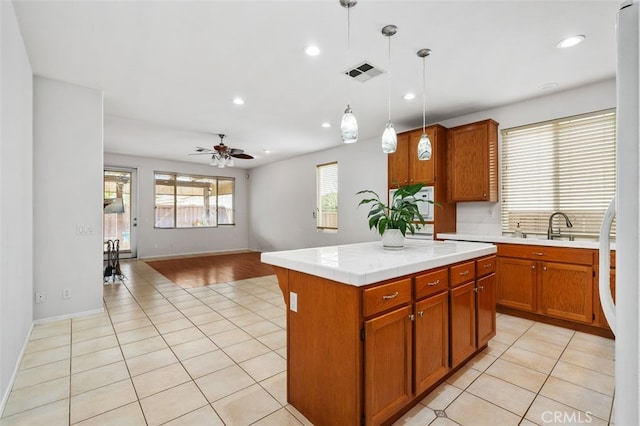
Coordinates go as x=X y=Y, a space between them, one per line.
x=327 y=196
x=566 y=165
x=185 y=201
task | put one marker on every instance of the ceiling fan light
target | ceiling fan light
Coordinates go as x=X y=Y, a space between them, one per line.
x=389 y=139
x=424 y=148
x=349 y=127
x=230 y=162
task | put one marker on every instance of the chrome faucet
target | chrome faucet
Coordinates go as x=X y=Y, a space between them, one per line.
x=550 y=233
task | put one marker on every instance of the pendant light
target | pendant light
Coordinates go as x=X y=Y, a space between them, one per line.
x=349 y=124
x=389 y=137
x=424 y=145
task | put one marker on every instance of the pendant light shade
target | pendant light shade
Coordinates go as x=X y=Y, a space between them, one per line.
x=424 y=144
x=349 y=127
x=389 y=137
x=349 y=124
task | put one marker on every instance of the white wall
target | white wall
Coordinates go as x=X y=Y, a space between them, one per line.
x=483 y=217
x=283 y=194
x=166 y=242
x=283 y=198
x=16 y=201
x=67 y=190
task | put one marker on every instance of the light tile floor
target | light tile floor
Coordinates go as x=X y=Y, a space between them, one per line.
x=216 y=355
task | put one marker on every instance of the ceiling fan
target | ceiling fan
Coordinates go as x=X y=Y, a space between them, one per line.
x=221 y=154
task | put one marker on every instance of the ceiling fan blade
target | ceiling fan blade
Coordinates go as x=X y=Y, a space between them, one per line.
x=201 y=149
x=235 y=151
x=243 y=156
x=200 y=153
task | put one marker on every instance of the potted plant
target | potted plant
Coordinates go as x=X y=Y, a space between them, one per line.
x=394 y=220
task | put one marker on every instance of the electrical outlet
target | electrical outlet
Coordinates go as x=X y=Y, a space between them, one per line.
x=66 y=293
x=41 y=297
x=293 y=301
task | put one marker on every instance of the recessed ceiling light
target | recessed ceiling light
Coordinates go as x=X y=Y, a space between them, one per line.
x=570 y=41
x=326 y=124
x=238 y=101
x=548 y=86
x=312 y=50
x=409 y=96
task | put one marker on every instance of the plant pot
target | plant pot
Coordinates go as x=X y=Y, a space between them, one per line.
x=392 y=239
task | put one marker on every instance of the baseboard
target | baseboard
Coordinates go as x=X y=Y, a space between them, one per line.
x=16 y=368
x=63 y=317
x=196 y=254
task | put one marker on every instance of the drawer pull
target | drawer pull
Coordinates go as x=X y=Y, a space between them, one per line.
x=481 y=288
x=538 y=253
x=488 y=265
x=544 y=268
x=533 y=266
x=435 y=283
x=475 y=289
x=412 y=317
x=421 y=313
x=464 y=273
x=391 y=296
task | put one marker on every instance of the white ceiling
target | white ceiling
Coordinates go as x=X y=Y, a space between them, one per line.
x=170 y=69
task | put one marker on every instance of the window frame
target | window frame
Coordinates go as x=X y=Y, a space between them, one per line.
x=320 y=216
x=570 y=150
x=175 y=204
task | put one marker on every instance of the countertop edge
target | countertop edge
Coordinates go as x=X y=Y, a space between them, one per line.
x=592 y=245
x=350 y=277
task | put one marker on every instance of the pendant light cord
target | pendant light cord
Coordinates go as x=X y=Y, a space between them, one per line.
x=424 y=91
x=348 y=55
x=389 y=82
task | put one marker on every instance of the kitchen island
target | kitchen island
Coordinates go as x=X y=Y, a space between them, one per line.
x=370 y=332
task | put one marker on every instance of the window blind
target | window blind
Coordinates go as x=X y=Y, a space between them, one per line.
x=327 y=196
x=566 y=165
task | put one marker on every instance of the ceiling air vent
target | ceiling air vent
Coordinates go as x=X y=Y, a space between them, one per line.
x=363 y=72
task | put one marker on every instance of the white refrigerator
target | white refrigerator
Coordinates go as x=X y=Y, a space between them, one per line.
x=624 y=316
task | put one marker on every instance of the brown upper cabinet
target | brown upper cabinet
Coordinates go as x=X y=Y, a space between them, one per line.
x=404 y=166
x=472 y=163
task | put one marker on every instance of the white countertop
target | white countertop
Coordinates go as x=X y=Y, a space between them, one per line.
x=530 y=240
x=368 y=263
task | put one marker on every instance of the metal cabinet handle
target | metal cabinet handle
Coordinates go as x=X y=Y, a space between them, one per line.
x=412 y=317
x=464 y=273
x=421 y=313
x=538 y=253
x=544 y=268
x=481 y=288
x=390 y=296
x=533 y=266
x=475 y=289
x=488 y=265
x=436 y=282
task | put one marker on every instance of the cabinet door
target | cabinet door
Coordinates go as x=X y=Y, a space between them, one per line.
x=516 y=283
x=463 y=322
x=472 y=162
x=567 y=291
x=431 y=353
x=421 y=171
x=398 y=163
x=387 y=354
x=486 y=308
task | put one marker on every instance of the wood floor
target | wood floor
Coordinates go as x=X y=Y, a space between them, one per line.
x=189 y=272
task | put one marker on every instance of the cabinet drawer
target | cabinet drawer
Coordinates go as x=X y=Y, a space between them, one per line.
x=485 y=266
x=462 y=273
x=386 y=296
x=431 y=283
x=548 y=254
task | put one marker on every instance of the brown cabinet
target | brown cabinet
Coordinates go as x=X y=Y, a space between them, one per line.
x=551 y=281
x=431 y=348
x=388 y=373
x=472 y=166
x=404 y=168
x=364 y=355
x=486 y=300
x=463 y=322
